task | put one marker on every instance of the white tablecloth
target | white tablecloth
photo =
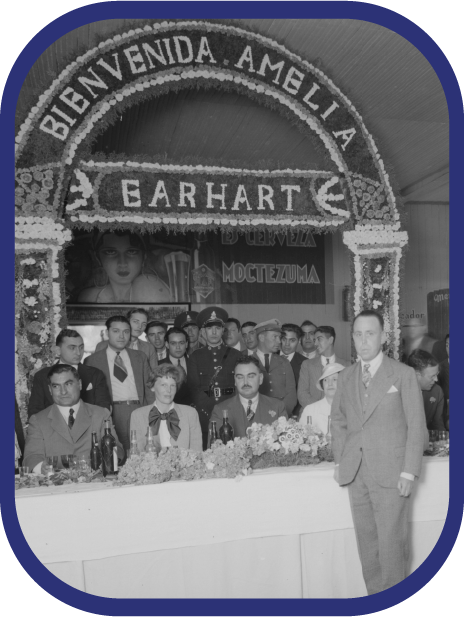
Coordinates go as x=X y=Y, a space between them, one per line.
x=277 y=533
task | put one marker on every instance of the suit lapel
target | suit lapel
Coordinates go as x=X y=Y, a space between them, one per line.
x=58 y=424
x=138 y=373
x=105 y=367
x=353 y=389
x=379 y=386
x=83 y=422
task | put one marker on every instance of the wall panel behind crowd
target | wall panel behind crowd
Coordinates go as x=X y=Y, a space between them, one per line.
x=427 y=257
x=330 y=313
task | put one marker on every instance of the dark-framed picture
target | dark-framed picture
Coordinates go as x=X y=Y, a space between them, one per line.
x=89 y=319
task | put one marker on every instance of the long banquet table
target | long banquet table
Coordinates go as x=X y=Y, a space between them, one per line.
x=278 y=533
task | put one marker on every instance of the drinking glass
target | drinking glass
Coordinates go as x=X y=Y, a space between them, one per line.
x=65 y=460
x=442 y=438
x=73 y=466
x=23 y=471
x=52 y=464
x=434 y=436
x=84 y=463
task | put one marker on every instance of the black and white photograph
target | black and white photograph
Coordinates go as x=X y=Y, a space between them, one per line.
x=232 y=308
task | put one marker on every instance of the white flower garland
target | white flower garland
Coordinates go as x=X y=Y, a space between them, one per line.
x=30 y=227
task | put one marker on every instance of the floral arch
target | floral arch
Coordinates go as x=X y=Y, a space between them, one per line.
x=59 y=185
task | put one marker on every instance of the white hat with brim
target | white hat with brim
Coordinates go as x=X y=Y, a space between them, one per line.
x=329 y=369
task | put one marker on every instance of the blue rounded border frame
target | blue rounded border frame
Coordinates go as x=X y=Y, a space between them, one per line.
x=237 y=10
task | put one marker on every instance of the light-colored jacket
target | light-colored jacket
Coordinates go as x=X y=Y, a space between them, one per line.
x=189 y=438
x=390 y=435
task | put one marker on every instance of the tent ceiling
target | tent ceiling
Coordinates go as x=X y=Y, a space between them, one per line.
x=393 y=86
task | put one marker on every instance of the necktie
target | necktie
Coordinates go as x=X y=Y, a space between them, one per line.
x=172 y=421
x=71 y=418
x=178 y=361
x=266 y=362
x=366 y=376
x=119 y=371
x=249 y=412
x=326 y=361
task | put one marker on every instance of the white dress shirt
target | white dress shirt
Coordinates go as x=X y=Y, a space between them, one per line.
x=175 y=361
x=162 y=354
x=122 y=390
x=309 y=354
x=163 y=433
x=260 y=355
x=254 y=402
x=324 y=359
x=236 y=346
x=289 y=357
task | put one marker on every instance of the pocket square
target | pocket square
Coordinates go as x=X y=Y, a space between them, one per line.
x=392 y=389
x=89 y=387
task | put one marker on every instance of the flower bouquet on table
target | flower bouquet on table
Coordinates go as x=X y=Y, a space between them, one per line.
x=231 y=460
x=149 y=468
x=285 y=443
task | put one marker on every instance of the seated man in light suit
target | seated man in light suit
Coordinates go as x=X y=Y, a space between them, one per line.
x=65 y=427
x=138 y=318
x=172 y=424
x=70 y=347
x=248 y=405
x=127 y=374
x=311 y=370
x=278 y=378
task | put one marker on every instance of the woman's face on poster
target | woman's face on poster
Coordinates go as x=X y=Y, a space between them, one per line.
x=120 y=260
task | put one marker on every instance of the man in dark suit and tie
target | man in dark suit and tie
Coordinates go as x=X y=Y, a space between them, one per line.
x=127 y=374
x=248 y=405
x=66 y=426
x=177 y=344
x=278 y=379
x=379 y=436
x=311 y=370
x=291 y=335
x=94 y=387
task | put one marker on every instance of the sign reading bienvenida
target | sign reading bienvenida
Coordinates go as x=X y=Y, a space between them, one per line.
x=258 y=267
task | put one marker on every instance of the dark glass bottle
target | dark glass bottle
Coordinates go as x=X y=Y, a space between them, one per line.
x=95 y=454
x=226 y=432
x=108 y=442
x=212 y=434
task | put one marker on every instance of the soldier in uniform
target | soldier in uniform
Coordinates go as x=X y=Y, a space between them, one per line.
x=279 y=380
x=210 y=369
x=188 y=322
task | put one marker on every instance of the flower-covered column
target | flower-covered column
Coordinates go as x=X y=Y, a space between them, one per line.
x=377 y=253
x=39 y=295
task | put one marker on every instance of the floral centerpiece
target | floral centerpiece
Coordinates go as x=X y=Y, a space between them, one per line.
x=285 y=443
x=221 y=461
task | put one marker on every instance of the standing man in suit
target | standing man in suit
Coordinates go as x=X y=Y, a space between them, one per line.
x=156 y=333
x=278 y=379
x=127 y=374
x=291 y=335
x=177 y=344
x=66 y=426
x=188 y=322
x=248 y=405
x=232 y=336
x=70 y=347
x=311 y=370
x=250 y=337
x=138 y=318
x=210 y=369
x=308 y=340
x=379 y=436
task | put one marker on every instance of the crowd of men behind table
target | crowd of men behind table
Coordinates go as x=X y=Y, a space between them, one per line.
x=184 y=377
x=377 y=409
